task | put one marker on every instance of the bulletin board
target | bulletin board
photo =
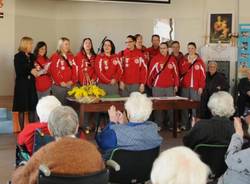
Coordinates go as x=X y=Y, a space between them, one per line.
x=243 y=50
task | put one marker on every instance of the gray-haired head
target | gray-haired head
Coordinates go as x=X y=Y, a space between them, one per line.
x=221 y=104
x=63 y=121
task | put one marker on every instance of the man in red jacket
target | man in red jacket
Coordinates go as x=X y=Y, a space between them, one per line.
x=164 y=80
x=155 y=48
x=192 y=80
x=135 y=71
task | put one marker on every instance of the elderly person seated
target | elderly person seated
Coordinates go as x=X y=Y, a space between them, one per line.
x=237 y=159
x=65 y=156
x=136 y=134
x=215 y=81
x=43 y=108
x=218 y=129
x=179 y=165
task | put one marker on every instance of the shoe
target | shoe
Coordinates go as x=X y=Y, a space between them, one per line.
x=183 y=128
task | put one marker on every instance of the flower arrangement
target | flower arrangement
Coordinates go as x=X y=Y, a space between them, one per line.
x=87 y=94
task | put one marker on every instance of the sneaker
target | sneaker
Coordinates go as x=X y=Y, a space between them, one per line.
x=183 y=128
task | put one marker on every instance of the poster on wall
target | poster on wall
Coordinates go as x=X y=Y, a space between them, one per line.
x=220 y=27
x=1 y=8
x=244 y=49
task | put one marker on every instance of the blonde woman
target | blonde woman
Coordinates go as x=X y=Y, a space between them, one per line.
x=25 y=96
x=63 y=70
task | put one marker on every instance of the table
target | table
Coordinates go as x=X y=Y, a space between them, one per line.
x=157 y=105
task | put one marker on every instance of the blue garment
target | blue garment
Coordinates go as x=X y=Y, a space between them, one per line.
x=130 y=136
x=238 y=163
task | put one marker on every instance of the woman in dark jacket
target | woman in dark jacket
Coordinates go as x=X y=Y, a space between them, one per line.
x=25 y=96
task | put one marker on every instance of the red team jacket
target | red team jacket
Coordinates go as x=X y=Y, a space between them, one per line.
x=195 y=77
x=153 y=52
x=61 y=71
x=169 y=74
x=108 y=68
x=134 y=67
x=86 y=67
x=145 y=53
x=44 y=81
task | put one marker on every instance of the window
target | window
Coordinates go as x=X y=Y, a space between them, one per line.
x=162 y=27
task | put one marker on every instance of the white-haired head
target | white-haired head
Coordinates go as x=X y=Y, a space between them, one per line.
x=63 y=121
x=45 y=106
x=221 y=104
x=179 y=165
x=138 y=107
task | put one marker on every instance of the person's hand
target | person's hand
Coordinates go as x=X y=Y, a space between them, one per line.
x=113 y=81
x=34 y=72
x=63 y=84
x=141 y=88
x=122 y=85
x=200 y=91
x=248 y=93
x=175 y=89
x=238 y=126
x=112 y=114
x=120 y=117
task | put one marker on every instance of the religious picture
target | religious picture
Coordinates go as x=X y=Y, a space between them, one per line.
x=220 y=28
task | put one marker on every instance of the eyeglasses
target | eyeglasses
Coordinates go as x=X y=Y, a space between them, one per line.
x=129 y=42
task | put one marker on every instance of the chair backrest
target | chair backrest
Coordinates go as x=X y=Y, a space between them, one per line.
x=100 y=177
x=214 y=157
x=135 y=166
x=41 y=139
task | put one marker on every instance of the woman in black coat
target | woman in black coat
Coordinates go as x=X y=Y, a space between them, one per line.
x=215 y=81
x=25 y=96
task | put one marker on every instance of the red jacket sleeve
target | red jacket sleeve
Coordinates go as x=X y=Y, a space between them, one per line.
x=98 y=69
x=152 y=72
x=74 y=70
x=143 y=71
x=119 y=70
x=175 y=73
x=121 y=58
x=54 y=69
x=202 y=81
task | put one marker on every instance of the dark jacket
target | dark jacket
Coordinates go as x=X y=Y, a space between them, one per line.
x=217 y=130
x=25 y=96
x=214 y=83
x=243 y=99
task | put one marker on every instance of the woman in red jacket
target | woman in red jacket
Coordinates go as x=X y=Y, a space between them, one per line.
x=164 y=79
x=85 y=60
x=135 y=71
x=43 y=81
x=63 y=70
x=192 y=80
x=108 y=68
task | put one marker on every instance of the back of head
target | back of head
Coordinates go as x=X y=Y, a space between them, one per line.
x=45 y=106
x=179 y=165
x=138 y=107
x=63 y=121
x=221 y=104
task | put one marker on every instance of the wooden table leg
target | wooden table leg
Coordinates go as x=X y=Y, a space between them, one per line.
x=81 y=115
x=175 y=123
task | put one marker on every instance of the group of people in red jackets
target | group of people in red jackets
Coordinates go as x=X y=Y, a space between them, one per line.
x=155 y=70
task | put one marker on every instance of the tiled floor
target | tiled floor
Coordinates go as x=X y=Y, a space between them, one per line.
x=8 y=142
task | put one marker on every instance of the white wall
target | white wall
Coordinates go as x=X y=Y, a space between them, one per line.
x=48 y=20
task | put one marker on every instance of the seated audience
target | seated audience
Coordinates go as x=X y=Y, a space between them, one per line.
x=179 y=165
x=237 y=159
x=244 y=94
x=215 y=81
x=43 y=108
x=218 y=129
x=65 y=156
x=137 y=133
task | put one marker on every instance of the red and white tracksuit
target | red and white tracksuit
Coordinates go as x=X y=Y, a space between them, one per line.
x=134 y=67
x=168 y=77
x=44 y=81
x=86 y=68
x=108 y=68
x=61 y=71
x=145 y=53
x=195 y=77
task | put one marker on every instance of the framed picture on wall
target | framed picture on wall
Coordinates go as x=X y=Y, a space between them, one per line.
x=220 y=27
